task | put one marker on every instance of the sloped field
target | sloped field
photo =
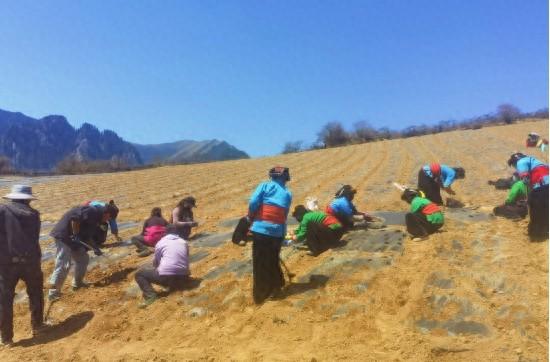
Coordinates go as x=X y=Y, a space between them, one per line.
x=477 y=291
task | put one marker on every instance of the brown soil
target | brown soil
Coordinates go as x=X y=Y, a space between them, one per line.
x=483 y=280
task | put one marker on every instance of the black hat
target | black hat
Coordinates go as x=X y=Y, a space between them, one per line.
x=279 y=172
x=190 y=200
x=346 y=191
x=459 y=172
x=513 y=160
x=299 y=212
x=409 y=194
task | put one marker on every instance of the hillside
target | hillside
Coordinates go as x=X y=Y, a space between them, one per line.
x=189 y=152
x=40 y=144
x=476 y=291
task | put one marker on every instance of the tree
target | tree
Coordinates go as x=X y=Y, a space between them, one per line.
x=508 y=113
x=5 y=165
x=333 y=134
x=292 y=147
x=363 y=132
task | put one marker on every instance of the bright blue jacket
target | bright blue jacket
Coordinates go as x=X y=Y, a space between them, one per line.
x=447 y=174
x=275 y=194
x=341 y=206
x=112 y=221
x=535 y=171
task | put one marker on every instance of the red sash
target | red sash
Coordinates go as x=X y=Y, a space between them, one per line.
x=538 y=173
x=436 y=169
x=430 y=209
x=271 y=213
x=330 y=220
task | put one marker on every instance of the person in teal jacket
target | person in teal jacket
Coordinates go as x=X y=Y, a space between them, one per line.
x=268 y=210
x=515 y=206
x=425 y=217
x=317 y=229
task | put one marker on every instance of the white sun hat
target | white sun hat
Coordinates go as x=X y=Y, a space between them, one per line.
x=20 y=192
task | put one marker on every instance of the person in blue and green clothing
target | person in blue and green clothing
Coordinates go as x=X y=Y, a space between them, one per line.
x=432 y=177
x=268 y=210
x=317 y=229
x=515 y=206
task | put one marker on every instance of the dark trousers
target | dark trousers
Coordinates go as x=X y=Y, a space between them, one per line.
x=148 y=275
x=139 y=242
x=538 y=213
x=430 y=187
x=10 y=274
x=419 y=226
x=319 y=237
x=266 y=269
x=512 y=211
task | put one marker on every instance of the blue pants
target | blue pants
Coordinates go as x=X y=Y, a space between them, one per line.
x=63 y=257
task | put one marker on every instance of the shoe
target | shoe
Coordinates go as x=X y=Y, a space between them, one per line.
x=422 y=238
x=147 y=302
x=54 y=297
x=37 y=331
x=6 y=343
x=145 y=253
x=77 y=286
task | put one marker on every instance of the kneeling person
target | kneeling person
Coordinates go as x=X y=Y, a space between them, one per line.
x=515 y=206
x=319 y=230
x=170 y=266
x=425 y=217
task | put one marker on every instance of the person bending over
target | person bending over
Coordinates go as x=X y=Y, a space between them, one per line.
x=433 y=177
x=317 y=229
x=154 y=228
x=424 y=218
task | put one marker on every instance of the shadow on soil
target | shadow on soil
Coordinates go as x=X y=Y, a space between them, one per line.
x=59 y=331
x=315 y=281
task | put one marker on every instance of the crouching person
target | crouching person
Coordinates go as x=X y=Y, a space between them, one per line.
x=515 y=206
x=170 y=266
x=317 y=229
x=425 y=217
x=154 y=229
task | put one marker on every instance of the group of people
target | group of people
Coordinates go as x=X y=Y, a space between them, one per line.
x=84 y=228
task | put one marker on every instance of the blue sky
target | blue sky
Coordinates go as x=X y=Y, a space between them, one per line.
x=260 y=73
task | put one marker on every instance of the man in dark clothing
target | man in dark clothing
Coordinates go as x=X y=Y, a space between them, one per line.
x=20 y=259
x=73 y=236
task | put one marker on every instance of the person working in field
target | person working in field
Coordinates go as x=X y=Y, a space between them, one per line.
x=434 y=176
x=73 y=236
x=154 y=228
x=182 y=217
x=535 y=174
x=343 y=209
x=20 y=260
x=424 y=218
x=534 y=140
x=101 y=235
x=515 y=206
x=170 y=266
x=268 y=209
x=317 y=229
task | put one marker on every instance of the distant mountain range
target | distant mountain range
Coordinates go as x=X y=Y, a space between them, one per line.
x=189 y=151
x=40 y=144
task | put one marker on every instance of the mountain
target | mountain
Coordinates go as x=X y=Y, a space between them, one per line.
x=189 y=152
x=39 y=144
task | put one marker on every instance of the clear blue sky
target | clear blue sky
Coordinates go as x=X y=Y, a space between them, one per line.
x=260 y=73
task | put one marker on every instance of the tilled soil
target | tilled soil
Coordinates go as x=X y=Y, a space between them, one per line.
x=478 y=290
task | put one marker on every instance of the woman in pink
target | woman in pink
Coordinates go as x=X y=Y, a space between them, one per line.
x=154 y=229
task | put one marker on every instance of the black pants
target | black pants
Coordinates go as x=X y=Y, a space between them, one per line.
x=538 y=213
x=139 y=242
x=10 y=274
x=319 y=237
x=266 y=269
x=148 y=275
x=419 y=226
x=513 y=211
x=430 y=187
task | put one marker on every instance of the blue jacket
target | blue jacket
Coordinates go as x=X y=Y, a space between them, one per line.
x=342 y=206
x=274 y=194
x=533 y=170
x=447 y=174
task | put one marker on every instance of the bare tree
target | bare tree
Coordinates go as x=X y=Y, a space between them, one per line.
x=363 y=132
x=333 y=134
x=292 y=147
x=508 y=113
